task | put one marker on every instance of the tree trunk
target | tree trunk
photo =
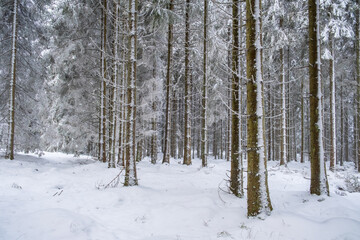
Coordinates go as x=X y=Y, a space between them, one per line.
x=204 y=92
x=114 y=82
x=236 y=185
x=302 y=160
x=174 y=117
x=341 y=157
x=257 y=189
x=154 y=146
x=103 y=85
x=122 y=107
x=187 y=124
x=130 y=165
x=319 y=184
x=346 y=137
x=283 y=145
x=166 y=158
x=358 y=80
x=332 y=107
x=10 y=153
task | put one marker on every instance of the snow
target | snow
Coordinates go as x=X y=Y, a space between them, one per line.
x=57 y=197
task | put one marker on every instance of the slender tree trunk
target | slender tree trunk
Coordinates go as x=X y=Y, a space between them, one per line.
x=355 y=140
x=257 y=188
x=11 y=139
x=346 y=137
x=358 y=80
x=236 y=186
x=287 y=97
x=166 y=158
x=229 y=66
x=319 y=184
x=154 y=146
x=174 y=128
x=103 y=84
x=114 y=82
x=187 y=125
x=342 y=127
x=269 y=123
x=221 y=140
x=130 y=165
x=302 y=160
x=332 y=107
x=204 y=92
x=283 y=146
x=122 y=108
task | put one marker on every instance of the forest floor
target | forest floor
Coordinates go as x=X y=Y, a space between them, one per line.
x=58 y=196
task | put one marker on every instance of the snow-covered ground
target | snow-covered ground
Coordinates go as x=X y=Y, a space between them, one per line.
x=58 y=196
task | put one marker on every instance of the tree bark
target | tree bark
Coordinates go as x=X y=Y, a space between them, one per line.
x=10 y=153
x=103 y=84
x=332 y=106
x=130 y=165
x=236 y=184
x=166 y=158
x=283 y=145
x=187 y=124
x=358 y=80
x=319 y=184
x=204 y=92
x=257 y=188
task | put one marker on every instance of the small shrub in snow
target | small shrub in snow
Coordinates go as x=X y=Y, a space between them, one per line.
x=352 y=183
x=14 y=185
x=224 y=234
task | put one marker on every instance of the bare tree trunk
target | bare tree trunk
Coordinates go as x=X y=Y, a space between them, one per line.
x=10 y=153
x=130 y=165
x=103 y=84
x=166 y=158
x=122 y=96
x=229 y=66
x=204 y=92
x=114 y=82
x=257 y=188
x=154 y=146
x=358 y=80
x=332 y=107
x=346 y=137
x=236 y=184
x=187 y=125
x=283 y=145
x=319 y=184
x=174 y=128
x=269 y=123
x=302 y=160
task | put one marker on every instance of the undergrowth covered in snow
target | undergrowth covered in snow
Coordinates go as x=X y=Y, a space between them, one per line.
x=58 y=196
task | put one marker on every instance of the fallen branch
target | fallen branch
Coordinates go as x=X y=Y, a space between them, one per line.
x=115 y=181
